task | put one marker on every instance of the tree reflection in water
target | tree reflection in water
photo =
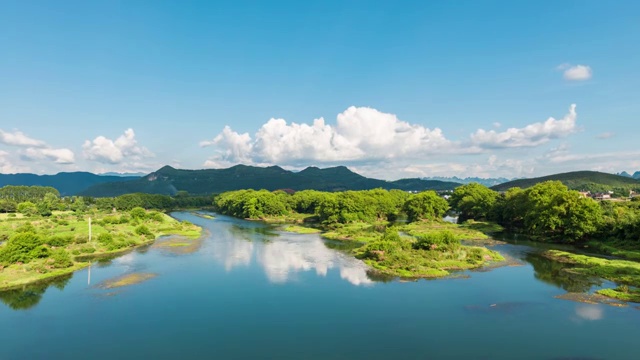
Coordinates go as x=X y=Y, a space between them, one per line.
x=30 y=295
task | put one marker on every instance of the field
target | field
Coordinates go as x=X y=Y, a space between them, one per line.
x=39 y=248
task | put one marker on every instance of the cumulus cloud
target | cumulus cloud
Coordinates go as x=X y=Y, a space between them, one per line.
x=360 y=134
x=18 y=138
x=59 y=156
x=528 y=136
x=7 y=166
x=576 y=72
x=108 y=151
x=36 y=149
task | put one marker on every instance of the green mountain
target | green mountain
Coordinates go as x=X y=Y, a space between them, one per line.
x=579 y=180
x=168 y=180
x=67 y=183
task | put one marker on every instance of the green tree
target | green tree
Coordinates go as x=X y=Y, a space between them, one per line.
x=473 y=201
x=27 y=208
x=426 y=205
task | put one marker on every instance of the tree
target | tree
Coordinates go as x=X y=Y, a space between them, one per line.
x=473 y=201
x=27 y=208
x=425 y=205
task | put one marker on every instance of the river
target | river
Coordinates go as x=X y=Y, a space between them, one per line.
x=249 y=291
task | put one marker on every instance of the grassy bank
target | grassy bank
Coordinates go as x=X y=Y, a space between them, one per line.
x=39 y=248
x=623 y=272
x=423 y=249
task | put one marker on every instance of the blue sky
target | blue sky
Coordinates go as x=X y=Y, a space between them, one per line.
x=404 y=88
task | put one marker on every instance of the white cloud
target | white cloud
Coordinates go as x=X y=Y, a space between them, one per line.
x=7 y=167
x=108 y=151
x=59 y=156
x=18 y=138
x=36 y=149
x=576 y=72
x=528 y=136
x=360 y=134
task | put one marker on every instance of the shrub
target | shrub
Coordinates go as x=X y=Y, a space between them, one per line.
x=26 y=228
x=87 y=250
x=437 y=240
x=138 y=213
x=39 y=252
x=19 y=248
x=156 y=216
x=105 y=238
x=143 y=230
x=27 y=208
x=59 y=241
x=81 y=239
x=12 y=215
x=60 y=259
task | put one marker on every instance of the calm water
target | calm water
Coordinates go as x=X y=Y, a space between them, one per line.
x=251 y=292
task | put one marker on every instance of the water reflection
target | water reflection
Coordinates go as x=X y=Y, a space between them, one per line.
x=555 y=273
x=29 y=296
x=589 y=312
x=282 y=255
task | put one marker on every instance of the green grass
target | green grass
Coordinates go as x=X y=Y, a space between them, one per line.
x=467 y=231
x=76 y=229
x=621 y=293
x=301 y=229
x=358 y=232
x=624 y=272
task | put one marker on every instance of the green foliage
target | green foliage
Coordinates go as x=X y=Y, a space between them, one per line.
x=251 y=204
x=19 y=248
x=60 y=259
x=155 y=216
x=143 y=230
x=27 y=208
x=32 y=194
x=473 y=201
x=426 y=205
x=138 y=213
x=59 y=241
x=106 y=238
x=441 y=241
x=550 y=210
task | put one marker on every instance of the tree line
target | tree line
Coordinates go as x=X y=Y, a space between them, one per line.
x=333 y=207
x=42 y=200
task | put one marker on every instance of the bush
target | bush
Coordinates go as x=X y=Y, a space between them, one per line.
x=156 y=216
x=143 y=230
x=105 y=238
x=39 y=252
x=138 y=213
x=19 y=248
x=87 y=250
x=437 y=240
x=59 y=241
x=60 y=259
x=26 y=228
x=81 y=240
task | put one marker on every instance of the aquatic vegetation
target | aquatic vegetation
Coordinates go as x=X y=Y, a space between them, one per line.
x=301 y=229
x=127 y=280
x=622 y=272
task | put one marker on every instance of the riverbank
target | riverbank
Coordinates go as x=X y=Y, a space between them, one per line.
x=623 y=272
x=41 y=248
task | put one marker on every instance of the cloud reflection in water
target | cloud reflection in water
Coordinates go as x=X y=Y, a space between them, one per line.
x=281 y=257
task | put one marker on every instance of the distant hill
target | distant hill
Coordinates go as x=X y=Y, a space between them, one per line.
x=168 y=180
x=484 y=181
x=137 y=174
x=578 y=180
x=636 y=175
x=67 y=183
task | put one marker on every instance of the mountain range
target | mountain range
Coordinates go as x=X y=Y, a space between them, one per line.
x=169 y=181
x=484 y=181
x=67 y=183
x=636 y=175
x=578 y=180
